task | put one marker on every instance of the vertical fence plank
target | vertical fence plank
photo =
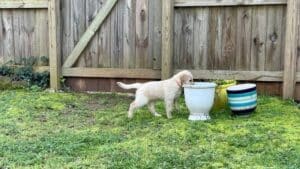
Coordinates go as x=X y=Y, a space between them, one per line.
x=104 y=41
x=259 y=37
x=243 y=49
x=274 y=35
x=7 y=38
x=229 y=39
x=1 y=42
x=290 y=57
x=18 y=41
x=54 y=43
x=167 y=38
x=155 y=22
x=91 y=52
x=129 y=34
x=216 y=19
x=79 y=27
x=116 y=35
x=177 y=38
x=187 y=31
x=200 y=38
x=66 y=29
x=42 y=39
x=142 y=35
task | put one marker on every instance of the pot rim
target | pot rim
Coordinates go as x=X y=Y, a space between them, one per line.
x=200 y=85
x=241 y=87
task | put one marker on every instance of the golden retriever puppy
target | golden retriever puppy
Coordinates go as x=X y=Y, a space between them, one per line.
x=168 y=90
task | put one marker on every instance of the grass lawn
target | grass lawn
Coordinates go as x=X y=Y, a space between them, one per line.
x=71 y=130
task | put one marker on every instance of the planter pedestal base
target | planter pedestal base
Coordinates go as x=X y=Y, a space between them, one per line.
x=199 y=117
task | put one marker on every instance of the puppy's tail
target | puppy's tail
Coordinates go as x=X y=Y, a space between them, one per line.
x=129 y=86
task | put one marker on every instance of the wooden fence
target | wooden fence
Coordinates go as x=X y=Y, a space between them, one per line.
x=250 y=40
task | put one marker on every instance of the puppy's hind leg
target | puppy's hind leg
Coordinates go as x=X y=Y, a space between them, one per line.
x=151 y=108
x=137 y=103
x=169 y=103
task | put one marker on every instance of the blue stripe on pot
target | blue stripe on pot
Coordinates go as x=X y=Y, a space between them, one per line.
x=245 y=98
x=243 y=101
x=251 y=103
x=242 y=94
x=243 y=108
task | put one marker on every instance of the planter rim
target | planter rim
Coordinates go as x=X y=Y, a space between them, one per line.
x=241 y=87
x=200 y=85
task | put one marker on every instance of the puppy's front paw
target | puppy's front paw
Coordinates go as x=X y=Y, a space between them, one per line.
x=169 y=116
x=157 y=115
x=130 y=116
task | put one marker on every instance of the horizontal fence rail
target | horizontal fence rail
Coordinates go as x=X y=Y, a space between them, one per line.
x=9 y=4
x=205 y=3
x=112 y=73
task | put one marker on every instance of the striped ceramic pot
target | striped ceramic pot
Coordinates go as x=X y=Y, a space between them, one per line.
x=242 y=99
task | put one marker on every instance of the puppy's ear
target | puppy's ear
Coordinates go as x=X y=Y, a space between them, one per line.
x=183 y=79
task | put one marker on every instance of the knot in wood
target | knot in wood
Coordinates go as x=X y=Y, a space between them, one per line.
x=257 y=42
x=143 y=15
x=187 y=29
x=273 y=37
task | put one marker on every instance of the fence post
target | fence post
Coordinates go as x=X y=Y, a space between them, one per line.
x=54 y=43
x=290 y=55
x=167 y=38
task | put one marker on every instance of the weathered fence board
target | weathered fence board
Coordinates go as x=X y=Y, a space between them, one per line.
x=243 y=43
x=224 y=35
x=200 y=38
x=192 y=3
x=24 y=33
x=155 y=28
x=129 y=34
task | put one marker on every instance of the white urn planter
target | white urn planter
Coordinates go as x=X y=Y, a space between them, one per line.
x=199 y=98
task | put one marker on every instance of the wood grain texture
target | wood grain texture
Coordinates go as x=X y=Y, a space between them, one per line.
x=89 y=33
x=191 y=3
x=54 y=44
x=272 y=76
x=167 y=38
x=298 y=42
x=259 y=38
x=91 y=51
x=274 y=35
x=111 y=73
x=78 y=16
x=200 y=34
x=7 y=37
x=117 y=22
x=229 y=29
x=142 y=35
x=290 y=57
x=155 y=28
x=187 y=48
x=67 y=41
x=216 y=18
x=243 y=33
x=177 y=35
x=19 y=4
x=129 y=34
